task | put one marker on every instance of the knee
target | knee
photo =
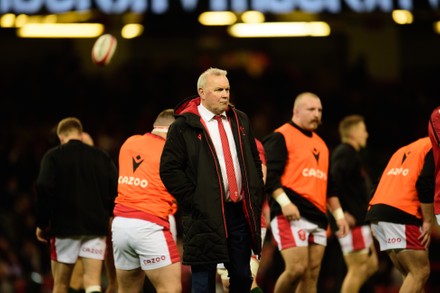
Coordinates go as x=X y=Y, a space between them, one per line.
x=372 y=261
x=363 y=270
x=373 y=265
x=423 y=274
x=295 y=271
x=359 y=272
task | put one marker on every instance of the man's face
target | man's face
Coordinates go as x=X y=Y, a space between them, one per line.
x=215 y=94
x=309 y=113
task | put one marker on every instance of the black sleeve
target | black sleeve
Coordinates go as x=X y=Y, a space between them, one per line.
x=342 y=164
x=332 y=186
x=173 y=162
x=45 y=187
x=113 y=184
x=426 y=182
x=276 y=156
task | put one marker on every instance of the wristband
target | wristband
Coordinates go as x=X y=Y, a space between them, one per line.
x=282 y=199
x=338 y=214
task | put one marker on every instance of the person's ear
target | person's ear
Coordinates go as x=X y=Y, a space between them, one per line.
x=201 y=92
x=61 y=138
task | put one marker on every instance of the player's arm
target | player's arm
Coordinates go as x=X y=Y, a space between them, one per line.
x=335 y=208
x=276 y=157
x=173 y=162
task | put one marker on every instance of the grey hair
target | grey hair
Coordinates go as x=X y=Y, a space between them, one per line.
x=211 y=71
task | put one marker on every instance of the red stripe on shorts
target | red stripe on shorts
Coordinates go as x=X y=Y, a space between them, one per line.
x=357 y=239
x=312 y=239
x=286 y=236
x=172 y=247
x=53 y=249
x=412 y=232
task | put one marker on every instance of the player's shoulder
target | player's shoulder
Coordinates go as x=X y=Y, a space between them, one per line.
x=319 y=138
x=133 y=138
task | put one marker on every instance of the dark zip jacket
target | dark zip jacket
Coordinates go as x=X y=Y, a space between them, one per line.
x=191 y=172
x=76 y=188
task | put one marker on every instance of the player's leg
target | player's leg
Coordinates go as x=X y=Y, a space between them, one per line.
x=166 y=279
x=292 y=241
x=309 y=281
x=416 y=263
x=360 y=258
x=91 y=255
x=130 y=280
x=64 y=255
x=92 y=274
x=61 y=273
x=76 y=281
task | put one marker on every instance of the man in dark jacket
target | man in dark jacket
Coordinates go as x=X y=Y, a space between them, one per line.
x=76 y=187
x=354 y=186
x=217 y=227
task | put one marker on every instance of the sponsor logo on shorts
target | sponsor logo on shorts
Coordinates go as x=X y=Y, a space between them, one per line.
x=97 y=251
x=394 y=240
x=154 y=260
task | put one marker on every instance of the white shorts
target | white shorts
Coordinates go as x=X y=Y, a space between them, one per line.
x=397 y=236
x=438 y=219
x=139 y=243
x=358 y=239
x=67 y=250
x=299 y=233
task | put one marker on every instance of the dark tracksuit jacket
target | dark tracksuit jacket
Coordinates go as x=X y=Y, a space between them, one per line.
x=354 y=184
x=76 y=188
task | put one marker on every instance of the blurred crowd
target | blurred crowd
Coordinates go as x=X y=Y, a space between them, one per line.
x=116 y=104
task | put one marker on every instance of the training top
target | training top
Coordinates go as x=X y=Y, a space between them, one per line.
x=407 y=180
x=76 y=188
x=141 y=193
x=298 y=162
x=353 y=182
x=307 y=165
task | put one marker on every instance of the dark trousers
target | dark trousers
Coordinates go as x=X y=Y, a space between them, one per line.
x=239 y=248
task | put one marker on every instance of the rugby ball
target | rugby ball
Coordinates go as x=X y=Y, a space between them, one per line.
x=104 y=49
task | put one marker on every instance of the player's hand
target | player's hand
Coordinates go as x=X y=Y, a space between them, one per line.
x=343 y=228
x=425 y=236
x=41 y=236
x=350 y=219
x=291 y=212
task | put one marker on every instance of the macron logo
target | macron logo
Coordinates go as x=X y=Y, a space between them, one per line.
x=136 y=162
x=315 y=153
x=405 y=155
